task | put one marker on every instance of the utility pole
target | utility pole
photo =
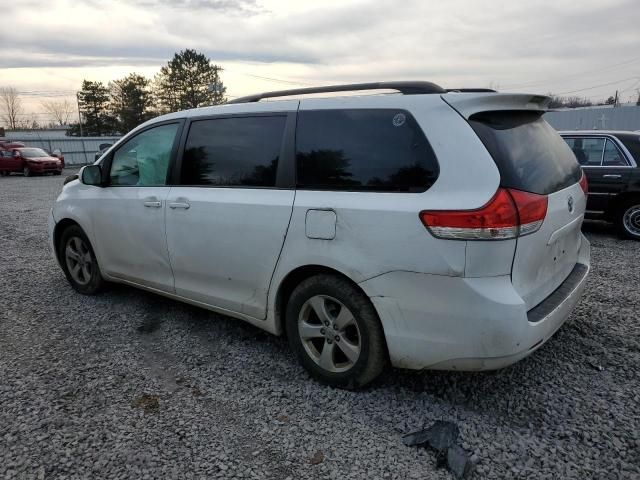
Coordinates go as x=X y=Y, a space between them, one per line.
x=615 y=100
x=84 y=150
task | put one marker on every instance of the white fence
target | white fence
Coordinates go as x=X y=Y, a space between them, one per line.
x=76 y=150
x=606 y=118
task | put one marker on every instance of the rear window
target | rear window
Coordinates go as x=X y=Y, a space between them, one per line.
x=529 y=153
x=363 y=149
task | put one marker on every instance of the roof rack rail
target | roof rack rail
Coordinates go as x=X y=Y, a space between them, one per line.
x=472 y=90
x=406 y=88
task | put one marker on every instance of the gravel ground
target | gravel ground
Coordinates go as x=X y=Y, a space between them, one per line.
x=131 y=385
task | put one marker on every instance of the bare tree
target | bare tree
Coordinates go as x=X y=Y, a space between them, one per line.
x=61 y=111
x=10 y=106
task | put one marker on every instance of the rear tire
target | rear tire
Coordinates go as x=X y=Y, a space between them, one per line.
x=335 y=332
x=79 y=262
x=628 y=219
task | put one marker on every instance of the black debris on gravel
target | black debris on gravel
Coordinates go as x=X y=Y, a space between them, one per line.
x=439 y=436
x=442 y=437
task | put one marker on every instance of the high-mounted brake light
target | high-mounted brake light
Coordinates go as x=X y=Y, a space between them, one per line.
x=584 y=184
x=509 y=214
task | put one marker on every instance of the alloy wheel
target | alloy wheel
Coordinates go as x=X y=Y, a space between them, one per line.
x=329 y=333
x=79 y=261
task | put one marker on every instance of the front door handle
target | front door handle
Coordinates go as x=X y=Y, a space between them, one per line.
x=611 y=175
x=183 y=205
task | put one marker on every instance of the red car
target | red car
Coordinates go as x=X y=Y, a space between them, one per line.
x=28 y=160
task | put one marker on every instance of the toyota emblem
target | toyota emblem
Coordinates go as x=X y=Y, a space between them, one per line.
x=570 y=204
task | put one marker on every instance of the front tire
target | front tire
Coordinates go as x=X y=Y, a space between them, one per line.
x=335 y=332
x=79 y=262
x=628 y=219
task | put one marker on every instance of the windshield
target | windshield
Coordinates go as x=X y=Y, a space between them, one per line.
x=33 y=152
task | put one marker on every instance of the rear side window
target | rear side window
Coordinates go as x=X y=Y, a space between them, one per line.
x=375 y=150
x=612 y=156
x=632 y=142
x=529 y=153
x=237 y=151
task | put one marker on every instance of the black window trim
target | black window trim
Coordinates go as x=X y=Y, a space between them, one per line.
x=108 y=160
x=330 y=188
x=617 y=143
x=285 y=174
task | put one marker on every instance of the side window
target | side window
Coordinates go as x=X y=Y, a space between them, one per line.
x=612 y=156
x=593 y=148
x=144 y=159
x=237 y=151
x=363 y=149
x=588 y=151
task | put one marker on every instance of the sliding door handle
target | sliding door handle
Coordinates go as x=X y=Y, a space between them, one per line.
x=183 y=205
x=611 y=175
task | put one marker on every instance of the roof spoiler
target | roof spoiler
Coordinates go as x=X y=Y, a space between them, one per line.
x=467 y=105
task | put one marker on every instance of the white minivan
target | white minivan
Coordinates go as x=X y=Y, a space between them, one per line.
x=428 y=228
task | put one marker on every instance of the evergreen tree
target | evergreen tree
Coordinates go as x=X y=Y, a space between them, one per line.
x=131 y=101
x=94 y=107
x=189 y=80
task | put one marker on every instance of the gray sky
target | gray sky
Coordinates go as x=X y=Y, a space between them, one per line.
x=588 y=48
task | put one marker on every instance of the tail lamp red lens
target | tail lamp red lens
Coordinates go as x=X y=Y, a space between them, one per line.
x=584 y=184
x=509 y=214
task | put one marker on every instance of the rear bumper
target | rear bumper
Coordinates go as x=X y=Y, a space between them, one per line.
x=454 y=323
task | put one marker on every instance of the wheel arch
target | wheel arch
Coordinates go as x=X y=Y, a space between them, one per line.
x=60 y=227
x=293 y=279
x=620 y=200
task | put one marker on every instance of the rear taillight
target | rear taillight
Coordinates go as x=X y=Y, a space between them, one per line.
x=584 y=185
x=509 y=214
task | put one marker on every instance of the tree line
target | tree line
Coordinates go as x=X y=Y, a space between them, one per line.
x=189 y=80
x=576 y=102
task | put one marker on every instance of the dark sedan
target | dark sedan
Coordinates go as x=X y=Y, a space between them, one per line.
x=610 y=161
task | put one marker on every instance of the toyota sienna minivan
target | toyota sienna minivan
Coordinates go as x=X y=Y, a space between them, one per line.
x=425 y=228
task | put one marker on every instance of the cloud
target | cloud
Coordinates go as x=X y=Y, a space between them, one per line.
x=226 y=6
x=456 y=43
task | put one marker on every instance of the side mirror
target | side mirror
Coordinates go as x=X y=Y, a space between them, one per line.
x=91 y=175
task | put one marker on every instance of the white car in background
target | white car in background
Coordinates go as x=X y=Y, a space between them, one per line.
x=429 y=229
